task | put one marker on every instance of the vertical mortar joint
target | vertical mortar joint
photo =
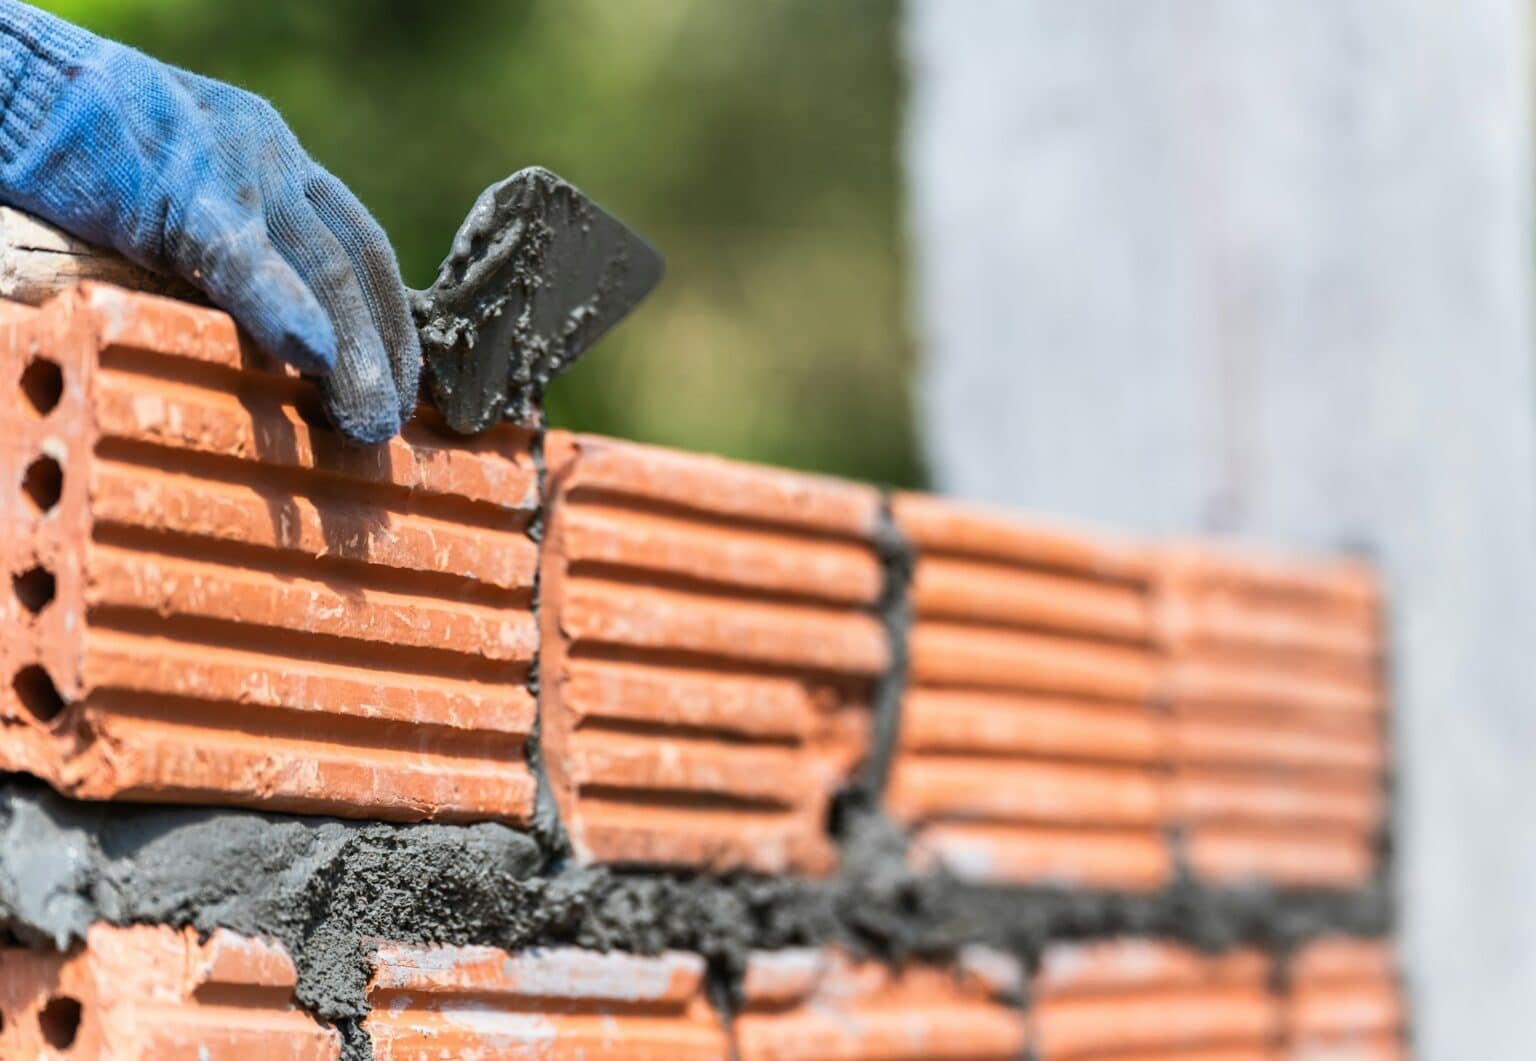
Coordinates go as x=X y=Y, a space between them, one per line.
x=894 y=610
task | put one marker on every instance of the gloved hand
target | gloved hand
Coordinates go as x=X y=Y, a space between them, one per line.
x=200 y=179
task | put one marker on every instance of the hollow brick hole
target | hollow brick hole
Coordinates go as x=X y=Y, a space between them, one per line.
x=43 y=483
x=42 y=383
x=38 y=695
x=59 y=1021
x=35 y=588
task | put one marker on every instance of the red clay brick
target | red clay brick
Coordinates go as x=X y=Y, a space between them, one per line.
x=805 y=1004
x=1029 y=748
x=1277 y=713
x=936 y=525
x=246 y=609
x=1235 y=797
x=1135 y=859
x=1223 y=737
x=1298 y=856
x=1344 y=1003
x=969 y=589
x=148 y=994
x=960 y=721
x=469 y=1002
x=1135 y=999
x=1060 y=793
x=708 y=656
x=952 y=654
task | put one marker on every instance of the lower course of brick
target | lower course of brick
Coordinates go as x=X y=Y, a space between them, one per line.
x=144 y=993
x=329 y=890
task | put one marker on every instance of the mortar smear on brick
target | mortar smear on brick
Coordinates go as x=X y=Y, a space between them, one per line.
x=802 y=1004
x=557 y=1003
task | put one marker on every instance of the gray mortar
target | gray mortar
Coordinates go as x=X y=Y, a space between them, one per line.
x=328 y=889
x=897 y=560
x=548 y=829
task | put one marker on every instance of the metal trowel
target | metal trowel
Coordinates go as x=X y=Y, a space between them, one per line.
x=538 y=272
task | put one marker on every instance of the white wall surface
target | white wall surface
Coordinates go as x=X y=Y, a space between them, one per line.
x=1264 y=268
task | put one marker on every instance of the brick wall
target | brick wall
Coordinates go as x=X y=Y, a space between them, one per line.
x=703 y=664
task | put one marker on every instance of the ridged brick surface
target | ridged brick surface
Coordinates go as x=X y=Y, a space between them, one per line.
x=1029 y=751
x=1344 y=1003
x=801 y=1005
x=708 y=654
x=1277 y=712
x=1129 y=1000
x=214 y=600
x=479 y=1002
x=157 y=994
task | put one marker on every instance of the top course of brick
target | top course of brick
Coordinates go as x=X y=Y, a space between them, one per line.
x=213 y=599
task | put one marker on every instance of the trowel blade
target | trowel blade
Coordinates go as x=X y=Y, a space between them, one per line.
x=538 y=272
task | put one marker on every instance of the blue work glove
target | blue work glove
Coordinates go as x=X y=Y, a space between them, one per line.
x=197 y=178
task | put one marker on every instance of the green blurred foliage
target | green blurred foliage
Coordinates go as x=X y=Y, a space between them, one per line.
x=754 y=143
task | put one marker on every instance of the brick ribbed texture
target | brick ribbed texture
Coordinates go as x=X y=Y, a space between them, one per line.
x=1278 y=714
x=708 y=656
x=214 y=600
x=147 y=994
x=820 y=1004
x=142 y=994
x=1029 y=750
x=1344 y=1003
x=1134 y=1000
x=481 y=1002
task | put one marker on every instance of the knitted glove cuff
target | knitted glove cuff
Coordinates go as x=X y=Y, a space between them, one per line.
x=39 y=54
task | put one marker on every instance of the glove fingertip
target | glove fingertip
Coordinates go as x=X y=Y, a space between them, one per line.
x=269 y=300
x=360 y=397
x=365 y=423
x=297 y=330
x=307 y=347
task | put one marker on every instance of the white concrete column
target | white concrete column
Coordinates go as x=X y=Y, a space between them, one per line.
x=1263 y=267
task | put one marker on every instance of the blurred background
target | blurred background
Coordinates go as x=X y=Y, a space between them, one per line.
x=754 y=144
